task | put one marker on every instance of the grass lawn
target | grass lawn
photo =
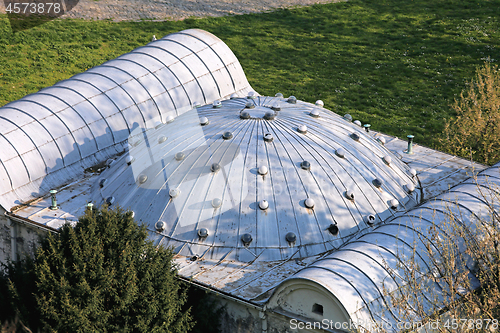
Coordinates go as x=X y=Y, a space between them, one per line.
x=396 y=64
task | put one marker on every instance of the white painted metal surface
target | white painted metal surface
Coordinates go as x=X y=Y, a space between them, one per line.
x=249 y=280
x=358 y=273
x=48 y=138
x=204 y=172
x=437 y=171
x=303 y=190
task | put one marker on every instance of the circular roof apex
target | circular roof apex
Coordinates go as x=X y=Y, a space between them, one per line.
x=251 y=181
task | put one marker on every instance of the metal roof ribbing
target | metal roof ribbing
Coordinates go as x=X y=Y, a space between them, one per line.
x=226 y=200
x=365 y=262
x=51 y=136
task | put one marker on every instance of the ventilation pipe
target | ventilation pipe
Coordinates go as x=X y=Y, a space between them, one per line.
x=53 y=199
x=410 y=144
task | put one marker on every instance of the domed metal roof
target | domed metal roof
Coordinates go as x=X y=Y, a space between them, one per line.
x=257 y=177
x=366 y=274
x=50 y=137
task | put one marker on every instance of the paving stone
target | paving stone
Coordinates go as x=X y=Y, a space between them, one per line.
x=133 y=10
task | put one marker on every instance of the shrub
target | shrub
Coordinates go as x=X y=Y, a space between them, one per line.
x=475 y=132
x=102 y=275
x=460 y=283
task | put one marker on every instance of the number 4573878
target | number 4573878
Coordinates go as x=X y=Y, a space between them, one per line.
x=33 y=8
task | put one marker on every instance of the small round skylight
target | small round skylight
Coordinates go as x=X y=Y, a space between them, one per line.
x=409 y=187
x=309 y=203
x=276 y=106
x=227 y=135
x=302 y=129
x=110 y=200
x=204 y=121
x=162 y=138
x=279 y=95
x=370 y=219
x=355 y=136
x=262 y=170
x=305 y=165
x=103 y=182
x=381 y=139
x=246 y=239
x=387 y=159
x=291 y=237
x=202 y=232
x=174 y=193
x=340 y=152
x=217 y=104
x=349 y=194
x=314 y=113
x=292 y=100
x=160 y=225
x=252 y=95
x=394 y=203
x=216 y=202
x=245 y=115
x=268 y=137
x=377 y=183
x=129 y=159
x=270 y=115
x=413 y=172
x=357 y=122
x=348 y=117
x=169 y=119
x=333 y=229
x=215 y=167
x=319 y=103
x=142 y=178
x=263 y=204
x=234 y=96
x=179 y=156
x=249 y=105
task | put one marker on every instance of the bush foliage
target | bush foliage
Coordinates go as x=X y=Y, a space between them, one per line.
x=475 y=132
x=100 y=276
x=458 y=288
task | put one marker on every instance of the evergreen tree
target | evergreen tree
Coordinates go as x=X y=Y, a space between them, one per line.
x=103 y=275
x=17 y=296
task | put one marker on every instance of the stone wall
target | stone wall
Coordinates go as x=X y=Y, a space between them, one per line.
x=238 y=317
x=26 y=238
x=5 y=243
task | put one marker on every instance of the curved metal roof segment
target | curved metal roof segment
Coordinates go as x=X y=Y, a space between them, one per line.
x=358 y=274
x=48 y=138
x=257 y=177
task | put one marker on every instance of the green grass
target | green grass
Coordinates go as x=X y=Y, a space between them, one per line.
x=395 y=64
